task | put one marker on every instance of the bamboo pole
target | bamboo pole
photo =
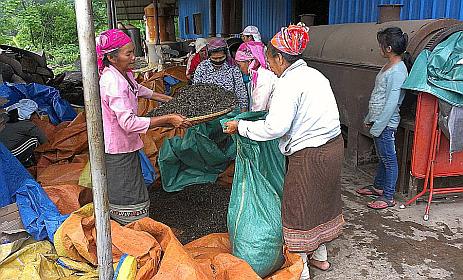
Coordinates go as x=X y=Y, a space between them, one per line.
x=86 y=34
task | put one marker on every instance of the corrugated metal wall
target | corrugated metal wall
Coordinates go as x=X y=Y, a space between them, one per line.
x=268 y=15
x=348 y=11
x=188 y=8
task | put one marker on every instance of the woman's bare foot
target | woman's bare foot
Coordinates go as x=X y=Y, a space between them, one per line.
x=322 y=265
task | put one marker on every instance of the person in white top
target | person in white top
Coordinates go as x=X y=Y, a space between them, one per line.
x=303 y=114
x=250 y=57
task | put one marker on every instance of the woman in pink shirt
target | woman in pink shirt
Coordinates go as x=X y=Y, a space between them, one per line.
x=128 y=195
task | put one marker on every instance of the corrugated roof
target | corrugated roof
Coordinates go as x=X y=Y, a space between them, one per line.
x=134 y=9
x=131 y=9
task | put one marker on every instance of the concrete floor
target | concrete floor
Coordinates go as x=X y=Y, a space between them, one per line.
x=395 y=243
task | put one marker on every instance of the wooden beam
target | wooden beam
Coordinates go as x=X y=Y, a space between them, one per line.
x=86 y=35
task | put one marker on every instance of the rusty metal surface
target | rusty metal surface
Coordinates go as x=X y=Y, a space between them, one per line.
x=389 y=12
x=349 y=56
x=356 y=43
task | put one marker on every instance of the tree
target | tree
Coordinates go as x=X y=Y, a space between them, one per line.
x=48 y=25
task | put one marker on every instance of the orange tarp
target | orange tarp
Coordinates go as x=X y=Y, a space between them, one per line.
x=61 y=174
x=69 y=198
x=160 y=256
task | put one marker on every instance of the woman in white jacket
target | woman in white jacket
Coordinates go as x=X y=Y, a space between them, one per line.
x=303 y=114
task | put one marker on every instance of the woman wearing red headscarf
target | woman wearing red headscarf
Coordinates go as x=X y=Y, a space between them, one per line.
x=304 y=116
x=128 y=195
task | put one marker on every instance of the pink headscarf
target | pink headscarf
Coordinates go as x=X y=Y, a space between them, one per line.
x=255 y=53
x=108 y=41
x=220 y=44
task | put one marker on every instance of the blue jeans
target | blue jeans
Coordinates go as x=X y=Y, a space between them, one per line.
x=388 y=170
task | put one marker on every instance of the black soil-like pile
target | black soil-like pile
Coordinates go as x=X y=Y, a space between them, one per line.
x=196 y=101
x=194 y=212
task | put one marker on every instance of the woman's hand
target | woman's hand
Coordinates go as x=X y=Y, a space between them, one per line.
x=231 y=127
x=179 y=121
x=161 y=97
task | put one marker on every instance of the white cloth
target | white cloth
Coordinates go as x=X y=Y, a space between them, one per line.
x=200 y=43
x=25 y=108
x=321 y=254
x=303 y=112
x=261 y=94
x=305 y=275
x=252 y=31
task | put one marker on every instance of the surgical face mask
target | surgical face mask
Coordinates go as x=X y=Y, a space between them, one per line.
x=218 y=62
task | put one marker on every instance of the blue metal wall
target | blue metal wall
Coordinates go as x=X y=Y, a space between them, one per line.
x=188 y=8
x=268 y=15
x=348 y=11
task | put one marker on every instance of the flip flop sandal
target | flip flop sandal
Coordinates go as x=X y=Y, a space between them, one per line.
x=316 y=267
x=377 y=205
x=369 y=190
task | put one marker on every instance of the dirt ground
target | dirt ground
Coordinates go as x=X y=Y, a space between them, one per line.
x=388 y=244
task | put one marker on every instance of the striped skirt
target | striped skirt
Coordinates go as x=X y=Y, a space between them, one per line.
x=312 y=205
x=128 y=194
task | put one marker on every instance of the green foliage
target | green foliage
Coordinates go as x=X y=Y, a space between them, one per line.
x=48 y=25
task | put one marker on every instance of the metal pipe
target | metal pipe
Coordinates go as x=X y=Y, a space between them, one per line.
x=114 y=14
x=86 y=33
x=111 y=12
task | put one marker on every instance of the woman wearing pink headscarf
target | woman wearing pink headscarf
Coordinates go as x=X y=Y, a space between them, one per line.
x=128 y=195
x=304 y=116
x=250 y=57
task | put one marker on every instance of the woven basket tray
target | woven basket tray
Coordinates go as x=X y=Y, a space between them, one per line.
x=206 y=118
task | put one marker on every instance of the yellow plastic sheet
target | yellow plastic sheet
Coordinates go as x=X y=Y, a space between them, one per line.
x=40 y=261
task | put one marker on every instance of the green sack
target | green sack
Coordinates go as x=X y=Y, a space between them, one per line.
x=254 y=213
x=196 y=158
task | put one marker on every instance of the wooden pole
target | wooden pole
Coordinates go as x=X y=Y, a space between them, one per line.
x=156 y=18
x=86 y=34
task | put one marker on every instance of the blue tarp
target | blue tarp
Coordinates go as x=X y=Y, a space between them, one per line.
x=39 y=214
x=169 y=82
x=47 y=98
x=149 y=174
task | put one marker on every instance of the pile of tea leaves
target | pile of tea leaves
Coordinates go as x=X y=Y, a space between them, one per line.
x=196 y=101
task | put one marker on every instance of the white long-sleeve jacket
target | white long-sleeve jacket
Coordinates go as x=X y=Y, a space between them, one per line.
x=303 y=112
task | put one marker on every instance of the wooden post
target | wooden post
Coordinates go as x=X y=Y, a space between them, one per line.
x=156 y=18
x=86 y=34
x=212 y=18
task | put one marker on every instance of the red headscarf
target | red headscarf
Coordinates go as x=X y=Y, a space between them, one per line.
x=292 y=39
x=108 y=41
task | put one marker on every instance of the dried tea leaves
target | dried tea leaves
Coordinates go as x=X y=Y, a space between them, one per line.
x=196 y=101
